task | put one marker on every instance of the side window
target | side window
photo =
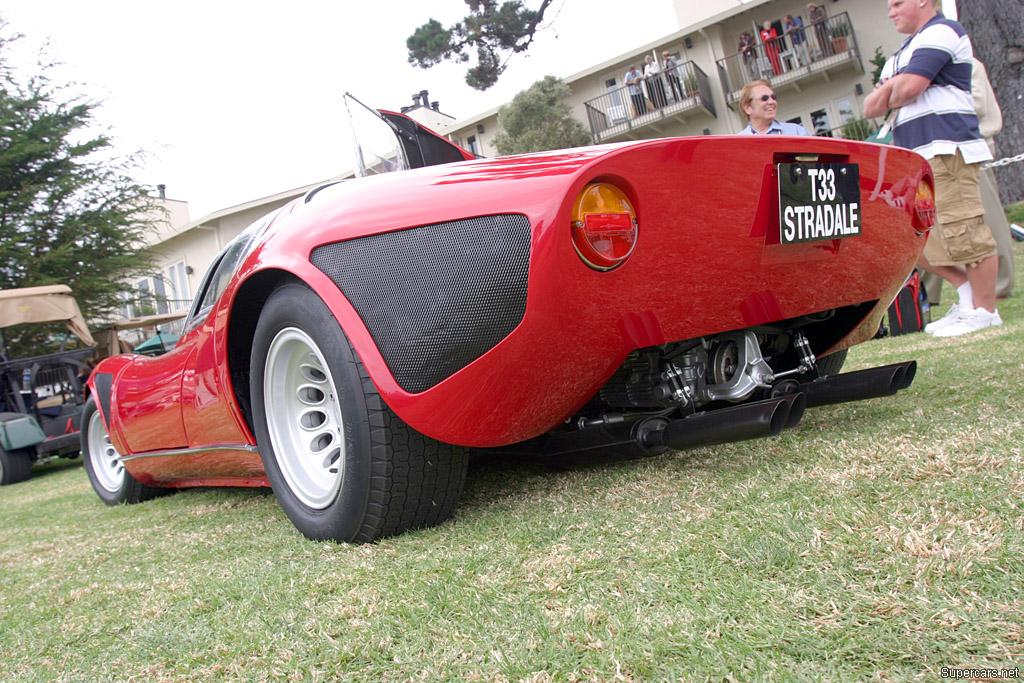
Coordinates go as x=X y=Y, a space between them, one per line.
x=197 y=313
x=222 y=269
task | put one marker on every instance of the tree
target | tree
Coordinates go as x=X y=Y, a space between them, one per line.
x=996 y=28
x=538 y=119
x=70 y=212
x=495 y=31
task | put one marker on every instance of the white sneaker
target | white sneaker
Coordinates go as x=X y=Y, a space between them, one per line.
x=945 y=321
x=971 y=321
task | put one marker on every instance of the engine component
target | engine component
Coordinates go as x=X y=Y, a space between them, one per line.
x=738 y=368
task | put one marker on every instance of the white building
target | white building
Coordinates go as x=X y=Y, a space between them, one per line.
x=821 y=81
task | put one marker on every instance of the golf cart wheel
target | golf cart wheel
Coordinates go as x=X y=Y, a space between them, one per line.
x=15 y=465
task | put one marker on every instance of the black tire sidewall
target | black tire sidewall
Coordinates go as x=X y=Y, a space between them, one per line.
x=295 y=305
x=832 y=364
x=16 y=465
x=108 y=497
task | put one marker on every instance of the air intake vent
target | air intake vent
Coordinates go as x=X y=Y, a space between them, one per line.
x=437 y=297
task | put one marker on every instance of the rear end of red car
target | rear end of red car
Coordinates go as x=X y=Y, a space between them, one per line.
x=499 y=324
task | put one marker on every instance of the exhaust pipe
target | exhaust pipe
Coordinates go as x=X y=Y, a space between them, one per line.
x=859 y=385
x=797 y=405
x=654 y=435
x=739 y=423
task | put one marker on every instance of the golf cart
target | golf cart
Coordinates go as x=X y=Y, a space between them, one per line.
x=111 y=340
x=41 y=396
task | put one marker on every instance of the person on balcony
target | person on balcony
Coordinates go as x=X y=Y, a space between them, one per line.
x=655 y=86
x=771 y=46
x=672 y=74
x=748 y=48
x=634 y=80
x=816 y=15
x=760 y=104
x=794 y=28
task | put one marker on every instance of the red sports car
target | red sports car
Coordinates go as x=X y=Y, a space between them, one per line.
x=350 y=348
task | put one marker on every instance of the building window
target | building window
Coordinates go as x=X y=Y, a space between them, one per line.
x=148 y=297
x=821 y=125
x=615 y=111
x=177 y=285
x=472 y=145
x=613 y=92
x=846 y=112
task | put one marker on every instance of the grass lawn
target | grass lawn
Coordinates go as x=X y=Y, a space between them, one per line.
x=879 y=540
x=1015 y=212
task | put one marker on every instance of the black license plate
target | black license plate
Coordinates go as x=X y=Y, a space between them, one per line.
x=818 y=202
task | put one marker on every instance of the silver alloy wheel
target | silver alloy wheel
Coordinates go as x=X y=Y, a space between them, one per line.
x=106 y=463
x=304 y=418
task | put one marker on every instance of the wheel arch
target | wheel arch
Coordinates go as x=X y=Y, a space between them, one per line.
x=249 y=301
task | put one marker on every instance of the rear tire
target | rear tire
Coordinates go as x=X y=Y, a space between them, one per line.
x=832 y=363
x=341 y=464
x=111 y=481
x=15 y=465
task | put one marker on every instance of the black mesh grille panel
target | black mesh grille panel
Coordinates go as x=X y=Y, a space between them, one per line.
x=437 y=297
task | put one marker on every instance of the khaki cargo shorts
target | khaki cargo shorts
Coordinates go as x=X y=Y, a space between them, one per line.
x=960 y=237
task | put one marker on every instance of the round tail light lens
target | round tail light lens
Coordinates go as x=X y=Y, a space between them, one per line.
x=604 y=227
x=924 y=208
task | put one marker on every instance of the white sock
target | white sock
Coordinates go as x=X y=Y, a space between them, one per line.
x=966 y=295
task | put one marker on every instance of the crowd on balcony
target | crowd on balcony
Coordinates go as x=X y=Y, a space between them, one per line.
x=770 y=54
x=659 y=84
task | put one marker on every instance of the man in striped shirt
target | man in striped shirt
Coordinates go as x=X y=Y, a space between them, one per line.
x=928 y=82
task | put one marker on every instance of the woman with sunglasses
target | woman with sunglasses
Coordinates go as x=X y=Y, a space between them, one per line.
x=760 y=104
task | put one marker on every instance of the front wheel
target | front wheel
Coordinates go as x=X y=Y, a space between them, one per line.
x=341 y=464
x=111 y=481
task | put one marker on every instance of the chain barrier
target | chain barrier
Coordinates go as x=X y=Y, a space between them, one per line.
x=1006 y=161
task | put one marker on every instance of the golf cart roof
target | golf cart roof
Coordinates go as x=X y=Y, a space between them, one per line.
x=112 y=345
x=145 y=321
x=51 y=303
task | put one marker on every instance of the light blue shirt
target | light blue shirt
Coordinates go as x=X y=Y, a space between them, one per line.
x=777 y=128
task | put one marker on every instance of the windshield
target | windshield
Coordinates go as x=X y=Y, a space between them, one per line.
x=377 y=149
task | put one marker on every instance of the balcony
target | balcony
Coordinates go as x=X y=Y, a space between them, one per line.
x=827 y=46
x=672 y=95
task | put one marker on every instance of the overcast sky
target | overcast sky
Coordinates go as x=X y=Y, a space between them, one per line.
x=235 y=101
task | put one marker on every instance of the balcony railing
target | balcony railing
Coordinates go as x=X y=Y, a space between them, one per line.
x=858 y=129
x=809 y=51
x=671 y=94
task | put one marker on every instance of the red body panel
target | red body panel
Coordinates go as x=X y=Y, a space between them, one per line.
x=707 y=260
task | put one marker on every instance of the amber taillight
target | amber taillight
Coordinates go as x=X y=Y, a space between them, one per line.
x=604 y=226
x=924 y=208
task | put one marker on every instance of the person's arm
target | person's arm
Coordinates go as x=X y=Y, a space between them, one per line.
x=900 y=90
x=877 y=102
x=905 y=88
